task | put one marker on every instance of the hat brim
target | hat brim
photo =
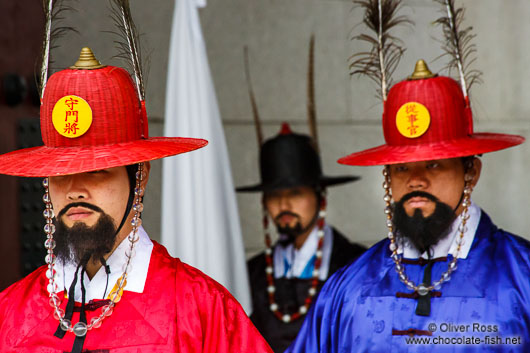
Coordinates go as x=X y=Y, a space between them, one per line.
x=47 y=161
x=475 y=144
x=325 y=181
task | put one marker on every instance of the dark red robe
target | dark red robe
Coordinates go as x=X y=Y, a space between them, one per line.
x=180 y=310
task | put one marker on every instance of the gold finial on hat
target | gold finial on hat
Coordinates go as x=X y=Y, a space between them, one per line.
x=421 y=71
x=87 y=61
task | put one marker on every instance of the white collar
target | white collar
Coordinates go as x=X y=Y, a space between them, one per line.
x=290 y=262
x=448 y=245
x=95 y=288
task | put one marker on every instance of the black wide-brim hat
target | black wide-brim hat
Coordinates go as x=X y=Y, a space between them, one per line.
x=290 y=160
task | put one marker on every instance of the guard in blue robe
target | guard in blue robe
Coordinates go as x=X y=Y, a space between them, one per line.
x=365 y=308
x=446 y=279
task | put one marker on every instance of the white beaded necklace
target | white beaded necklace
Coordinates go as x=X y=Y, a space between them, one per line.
x=80 y=328
x=421 y=289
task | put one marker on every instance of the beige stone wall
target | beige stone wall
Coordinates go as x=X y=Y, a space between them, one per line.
x=277 y=33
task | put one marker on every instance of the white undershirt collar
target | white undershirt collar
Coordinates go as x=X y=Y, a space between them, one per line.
x=290 y=262
x=95 y=288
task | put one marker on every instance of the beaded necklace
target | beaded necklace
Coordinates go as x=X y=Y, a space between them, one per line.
x=269 y=270
x=422 y=289
x=80 y=329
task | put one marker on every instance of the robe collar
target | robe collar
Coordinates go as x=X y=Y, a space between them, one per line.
x=95 y=287
x=290 y=262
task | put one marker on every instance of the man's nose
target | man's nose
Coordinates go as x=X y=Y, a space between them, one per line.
x=285 y=203
x=76 y=189
x=417 y=179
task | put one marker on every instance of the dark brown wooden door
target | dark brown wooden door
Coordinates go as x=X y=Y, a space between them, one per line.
x=21 y=26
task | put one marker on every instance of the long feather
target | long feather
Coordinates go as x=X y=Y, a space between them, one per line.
x=458 y=45
x=380 y=62
x=53 y=12
x=311 y=108
x=255 y=113
x=129 y=44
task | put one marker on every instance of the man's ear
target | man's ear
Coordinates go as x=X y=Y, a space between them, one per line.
x=147 y=169
x=475 y=170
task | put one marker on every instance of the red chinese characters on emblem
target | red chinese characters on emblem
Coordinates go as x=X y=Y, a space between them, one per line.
x=71 y=116
x=412 y=119
x=71 y=127
x=412 y=116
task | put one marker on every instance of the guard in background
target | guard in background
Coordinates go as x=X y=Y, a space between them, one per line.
x=286 y=277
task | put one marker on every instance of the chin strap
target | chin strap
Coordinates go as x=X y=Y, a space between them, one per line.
x=131 y=173
x=59 y=333
x=80 y=340
x=107 y=271
x=69 y=312
x=424 y=301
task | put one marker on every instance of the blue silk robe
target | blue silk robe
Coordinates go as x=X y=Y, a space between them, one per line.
x=365 y=308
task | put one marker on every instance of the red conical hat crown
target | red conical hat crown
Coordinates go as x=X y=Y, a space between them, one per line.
x=91 y=119
x=426 y=117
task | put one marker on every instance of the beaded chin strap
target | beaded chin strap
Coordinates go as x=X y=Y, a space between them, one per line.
x=421 y=289
x=269 y=270
x=80 y=328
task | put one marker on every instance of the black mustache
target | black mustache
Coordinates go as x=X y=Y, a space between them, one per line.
x=79 y=204
x=418 y=194
x=286 y=213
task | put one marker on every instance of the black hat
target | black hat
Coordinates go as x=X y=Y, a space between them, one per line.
x=289 y=160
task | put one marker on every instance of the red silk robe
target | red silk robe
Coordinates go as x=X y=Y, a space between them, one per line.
x=180 y=310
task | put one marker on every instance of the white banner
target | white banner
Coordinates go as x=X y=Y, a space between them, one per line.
x=200 y=221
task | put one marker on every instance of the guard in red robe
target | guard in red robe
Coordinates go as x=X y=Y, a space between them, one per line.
x=180 y=310
x=106 y=286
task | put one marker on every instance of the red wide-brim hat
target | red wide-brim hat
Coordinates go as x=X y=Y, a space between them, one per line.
x=426 y=117
x=92 y=119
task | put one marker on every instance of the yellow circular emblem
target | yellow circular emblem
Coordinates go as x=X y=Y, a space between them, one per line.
x=412 y=119
x=71 y=116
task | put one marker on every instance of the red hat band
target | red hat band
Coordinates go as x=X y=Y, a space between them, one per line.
x=426 y=111
x=90 y=108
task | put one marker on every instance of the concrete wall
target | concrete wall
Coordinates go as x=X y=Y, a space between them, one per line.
x=349 y=115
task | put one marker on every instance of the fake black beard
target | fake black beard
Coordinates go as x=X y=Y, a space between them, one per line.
x=423 y=232
x=287 y=233
x=83 y=242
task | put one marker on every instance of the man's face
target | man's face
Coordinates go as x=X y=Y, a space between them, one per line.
x=444 y=179
x=293 y=210
x=427 y=198
x=88 y=208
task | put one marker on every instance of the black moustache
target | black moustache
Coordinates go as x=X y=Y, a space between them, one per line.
x=418 y=194
x=79 y=204
x=286 y=213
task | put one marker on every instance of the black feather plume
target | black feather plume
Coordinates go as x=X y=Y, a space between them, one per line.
x=311 y=108
x=458 y=45
x=129 y=43
x=255 y=113
x=380 y=62
x=54 y=12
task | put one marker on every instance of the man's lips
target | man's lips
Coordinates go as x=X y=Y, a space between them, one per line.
x=286 y=218
x=417 y=201
x=78 y=213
